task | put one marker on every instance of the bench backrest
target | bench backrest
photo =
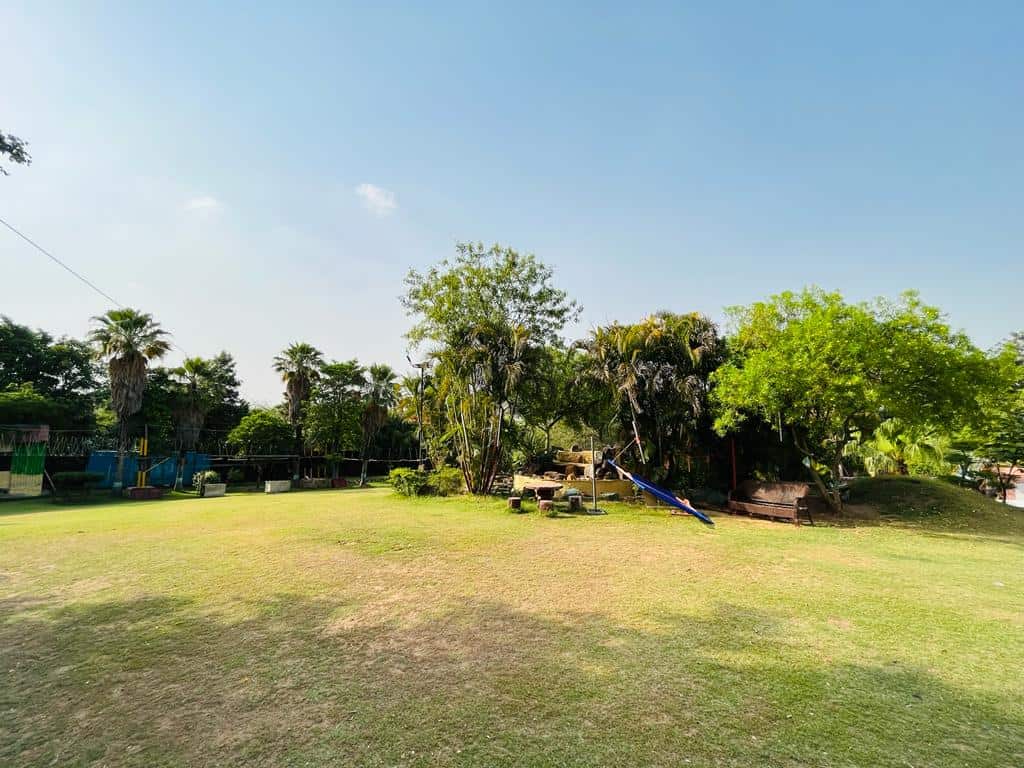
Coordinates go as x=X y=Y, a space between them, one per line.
x=772 y=493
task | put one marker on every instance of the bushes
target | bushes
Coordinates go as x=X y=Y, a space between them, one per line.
x=409 y=482
x=447 y=481
x=199 y=479
x=236 y=475
x=65 y=484
x=413 y=482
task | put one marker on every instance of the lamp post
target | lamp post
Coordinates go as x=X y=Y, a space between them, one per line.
x=419 y=410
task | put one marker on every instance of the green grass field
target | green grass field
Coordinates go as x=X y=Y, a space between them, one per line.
x=338 y=628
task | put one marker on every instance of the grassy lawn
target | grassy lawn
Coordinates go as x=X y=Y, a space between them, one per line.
x=356 y=628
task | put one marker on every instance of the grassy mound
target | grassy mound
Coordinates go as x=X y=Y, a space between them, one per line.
x=933 y=503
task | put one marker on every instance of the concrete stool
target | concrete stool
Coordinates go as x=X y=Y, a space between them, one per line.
x=515 y=502
x=548 y=506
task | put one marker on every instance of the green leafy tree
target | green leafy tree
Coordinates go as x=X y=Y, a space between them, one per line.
x=333 y=414
x=299 y=366
x=24 y=405
x=1002 y=434
x=483 y=315
x=229 y=409
x=827 y=371
x=555 y=391
x=127 y=340
x=261 y=432
x=63 y=371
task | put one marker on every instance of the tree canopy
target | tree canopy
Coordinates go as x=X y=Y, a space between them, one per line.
x=484 y=316
x=825 y=370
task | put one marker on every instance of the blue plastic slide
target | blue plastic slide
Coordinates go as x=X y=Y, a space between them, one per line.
x=660 y=493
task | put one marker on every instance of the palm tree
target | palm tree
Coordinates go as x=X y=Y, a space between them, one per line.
x=659 y=370
x=198 y=380
x=299 y=366
x=128 y=340
x=380 y=394
x=894 y=446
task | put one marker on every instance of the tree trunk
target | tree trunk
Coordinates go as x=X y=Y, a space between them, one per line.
x=833 y=499
x=297 y=450
x=181 y=471
x=363 y=473
x=122 y=439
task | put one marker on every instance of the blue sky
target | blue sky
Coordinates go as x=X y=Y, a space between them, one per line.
x=255 y=175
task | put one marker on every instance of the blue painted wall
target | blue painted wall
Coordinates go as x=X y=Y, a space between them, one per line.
x=105 y=463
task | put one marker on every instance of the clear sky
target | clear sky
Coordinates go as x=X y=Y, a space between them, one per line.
x=256 y=174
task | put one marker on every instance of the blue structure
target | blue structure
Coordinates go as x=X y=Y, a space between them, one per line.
x=163 y=469
x=667 y=496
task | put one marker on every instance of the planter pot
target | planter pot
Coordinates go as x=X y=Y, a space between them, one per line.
x=339 y=482
x=314 y=482
x=214 y=489
x=277 y=486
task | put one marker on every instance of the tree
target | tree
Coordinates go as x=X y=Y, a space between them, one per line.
x=827 y=371
x=15 y=150
x=261 y=432
x=26 y=406
x=658 y=371
x=895 y=448
x=483 y=316
x=556 y=390
x=200 y=386
x=128 y=340
x=1002 y=436
x=379 y=395
x=419 y=401
x=63 y=371
x=334 y=410
x=229 y=409
x=299 y=366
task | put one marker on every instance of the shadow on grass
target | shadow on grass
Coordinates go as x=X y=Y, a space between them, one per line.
x=163 y=681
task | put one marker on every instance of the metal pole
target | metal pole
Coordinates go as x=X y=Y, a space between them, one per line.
x=419 y=419
x=593 y=475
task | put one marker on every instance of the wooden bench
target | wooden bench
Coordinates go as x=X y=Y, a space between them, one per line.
x=784 y=501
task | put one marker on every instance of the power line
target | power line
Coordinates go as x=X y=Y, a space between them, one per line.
x=81 y=277
x=53 y=258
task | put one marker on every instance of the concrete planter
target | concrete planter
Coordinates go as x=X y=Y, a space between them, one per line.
x=339 y=482
x=314 y=482
x=214 y=489
x=277 y=486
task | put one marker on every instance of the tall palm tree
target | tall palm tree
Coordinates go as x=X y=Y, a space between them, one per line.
x=299 y=366
x=128 y=340
x=380 y=394
x=199 y=386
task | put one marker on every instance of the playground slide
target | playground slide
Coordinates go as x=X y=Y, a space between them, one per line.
x=667 y=496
